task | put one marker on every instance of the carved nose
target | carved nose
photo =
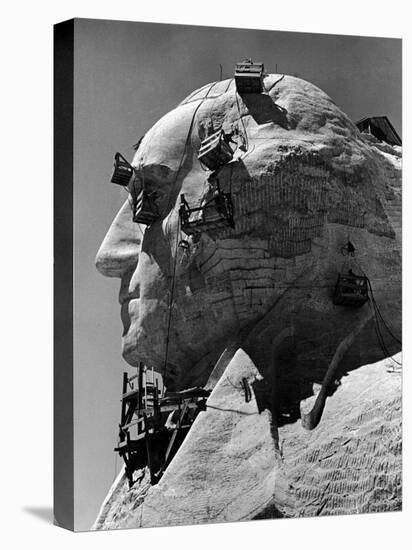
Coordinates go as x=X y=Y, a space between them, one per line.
x=119 y=251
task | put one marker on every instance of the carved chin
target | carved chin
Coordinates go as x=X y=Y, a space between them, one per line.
x=134 y=344
x=144 y=339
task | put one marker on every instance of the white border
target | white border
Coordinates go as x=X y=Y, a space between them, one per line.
x=26 y=224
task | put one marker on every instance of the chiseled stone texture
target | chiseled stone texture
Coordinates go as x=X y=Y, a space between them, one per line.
x=352 y=462
x=224 y=471
x=232 y=468
x=308 y=182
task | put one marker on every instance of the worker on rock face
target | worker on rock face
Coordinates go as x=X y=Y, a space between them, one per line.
x=171 y=421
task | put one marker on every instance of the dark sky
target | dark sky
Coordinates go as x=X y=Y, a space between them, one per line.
x=127 y=75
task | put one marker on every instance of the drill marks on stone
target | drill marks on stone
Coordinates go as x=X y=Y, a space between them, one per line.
x=349 y=211
x=220 y=283
x=242 y=272
x=110 y=515
x=352 y=462
x=349 y=492
x=293 y=199
x=287 y=206
x=392 y=195
x=283 y=245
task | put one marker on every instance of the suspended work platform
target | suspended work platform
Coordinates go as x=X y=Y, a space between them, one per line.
x=122 y=171
x=215 y=151
x=145 y=210
x=213 y=214
x=351 y=290
x=249 y=77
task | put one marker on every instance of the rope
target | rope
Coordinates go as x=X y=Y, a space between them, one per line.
x=236 y=387
x=230 y=178
x=115 y=460
x=268 y=90
x=188 y=137
x=242 y=121
x=228 y=86
x=171 y=302
x=375 y=310
x=203 y=166
x=134 y=194
x=380 y=315
x=205 y=97
x=381 y=341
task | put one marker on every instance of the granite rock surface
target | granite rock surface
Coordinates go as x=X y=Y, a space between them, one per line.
x=257 y=299
x=234 y=465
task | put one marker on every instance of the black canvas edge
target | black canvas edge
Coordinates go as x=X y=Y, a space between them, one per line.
x=63 y=454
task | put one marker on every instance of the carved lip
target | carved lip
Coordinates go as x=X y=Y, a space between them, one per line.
x=125 y=317
x=126 y=298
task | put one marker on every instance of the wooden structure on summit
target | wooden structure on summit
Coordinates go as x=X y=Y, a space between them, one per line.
x=154 y=422
x=380 y=127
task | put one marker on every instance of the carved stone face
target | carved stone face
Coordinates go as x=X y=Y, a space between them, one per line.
x=306 y=181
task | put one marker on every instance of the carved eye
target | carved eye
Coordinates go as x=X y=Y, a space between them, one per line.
x=135 y=184
x=159 y=195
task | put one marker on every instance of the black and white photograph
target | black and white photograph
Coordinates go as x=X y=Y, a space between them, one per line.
x=244 y=202
x=207 y=275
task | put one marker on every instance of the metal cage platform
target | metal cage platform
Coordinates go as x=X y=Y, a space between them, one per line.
x=215 y=214
x=122 y=171
x=249 y=77
x=215 y=151
x=145 y=210
x=351 y=290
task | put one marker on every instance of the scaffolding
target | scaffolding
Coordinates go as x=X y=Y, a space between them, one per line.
x=213 y=214
x=154 y=422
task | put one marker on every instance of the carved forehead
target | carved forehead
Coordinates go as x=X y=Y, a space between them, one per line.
x=291 y=112
x=164 y=142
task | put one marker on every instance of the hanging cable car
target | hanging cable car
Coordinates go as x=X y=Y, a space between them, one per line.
x=215 y=213
x=249 y=77
x=351 y=290
x=122 y=171
x=145 y=209
x=215 y=151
